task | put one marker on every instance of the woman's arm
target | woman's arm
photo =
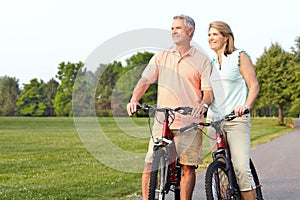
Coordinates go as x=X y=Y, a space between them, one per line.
x=249 y=75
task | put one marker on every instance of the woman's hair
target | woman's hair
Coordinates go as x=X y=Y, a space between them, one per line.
x=225 y=30
x=189 y=22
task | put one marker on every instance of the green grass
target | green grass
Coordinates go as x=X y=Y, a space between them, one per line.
x=266 y=129
x=44 y=158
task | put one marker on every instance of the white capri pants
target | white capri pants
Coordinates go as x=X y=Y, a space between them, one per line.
x=238 y=137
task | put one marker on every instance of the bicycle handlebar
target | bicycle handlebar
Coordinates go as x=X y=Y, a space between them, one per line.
x=182 y=110
x=232 y=115
x=228 y=117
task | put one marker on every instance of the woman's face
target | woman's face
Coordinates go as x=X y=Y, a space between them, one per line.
x=216 y=40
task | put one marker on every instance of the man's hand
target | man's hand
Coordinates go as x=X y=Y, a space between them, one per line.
x=199 y=110
x=131 y=107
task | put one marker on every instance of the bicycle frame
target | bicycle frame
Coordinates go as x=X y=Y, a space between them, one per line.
x=223 y=153
x=166 y=142
x=222 y=161
x=165 y=150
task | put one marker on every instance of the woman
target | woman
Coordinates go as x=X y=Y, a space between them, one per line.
x=235 y=88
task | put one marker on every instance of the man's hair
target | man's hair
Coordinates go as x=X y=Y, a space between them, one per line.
x=188 y=21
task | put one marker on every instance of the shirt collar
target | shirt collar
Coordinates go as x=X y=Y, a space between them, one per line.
x=191 y=52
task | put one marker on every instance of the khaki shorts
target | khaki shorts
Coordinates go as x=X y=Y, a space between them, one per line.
x=238 y=136
x=188 y=146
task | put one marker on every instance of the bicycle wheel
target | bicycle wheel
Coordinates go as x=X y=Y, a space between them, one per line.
x=259 y=195
x=217 y=184
x=177 y=194
x=177 y=185
x=158 y=177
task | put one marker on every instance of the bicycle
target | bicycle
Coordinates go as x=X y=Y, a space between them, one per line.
x=166 y=171
x=220 y=181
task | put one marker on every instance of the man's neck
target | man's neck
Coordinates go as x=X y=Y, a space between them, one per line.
x=183 y=49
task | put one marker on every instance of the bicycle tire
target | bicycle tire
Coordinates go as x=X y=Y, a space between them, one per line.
x=177 y=194
x=216 y=179
x=158 y=176
x=177 y=185
x=258 y=189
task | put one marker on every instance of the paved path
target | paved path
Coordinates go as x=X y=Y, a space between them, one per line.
x=278 y=166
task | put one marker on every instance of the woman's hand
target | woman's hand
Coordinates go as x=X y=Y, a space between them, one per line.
x=239 y=110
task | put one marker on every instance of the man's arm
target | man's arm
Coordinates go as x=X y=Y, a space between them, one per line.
x=203 y=105
x=207 y=97
x=139 y=90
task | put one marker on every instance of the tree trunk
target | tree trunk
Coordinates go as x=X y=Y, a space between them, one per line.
x=280 y=115
x=271 y=112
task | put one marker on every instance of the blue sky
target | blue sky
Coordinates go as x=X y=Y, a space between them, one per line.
x=36 y=35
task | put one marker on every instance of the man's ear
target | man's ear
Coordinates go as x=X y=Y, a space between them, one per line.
x=190 y=32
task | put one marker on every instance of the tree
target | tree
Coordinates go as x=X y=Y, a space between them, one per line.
x=67 y=74
x=116 y=83
x=31 y=102
x=275 y=74
x=49 y=93
x=138 y=62
x=9 y=93
x=83 y=98
x=294 y=111
x=108 y=77
x=296 y=50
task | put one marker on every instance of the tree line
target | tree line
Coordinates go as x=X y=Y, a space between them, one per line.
x=110 y=87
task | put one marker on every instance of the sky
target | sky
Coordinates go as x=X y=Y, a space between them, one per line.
x=37 y=35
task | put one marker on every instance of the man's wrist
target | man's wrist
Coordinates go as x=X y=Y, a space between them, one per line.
x=132 y=101
x=205 y=106
x=247 y=106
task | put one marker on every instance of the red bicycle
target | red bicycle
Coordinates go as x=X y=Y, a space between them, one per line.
x=166 y=170
x=220 y=181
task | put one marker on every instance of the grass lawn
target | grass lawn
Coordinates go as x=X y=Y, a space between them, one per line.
x=44 y=158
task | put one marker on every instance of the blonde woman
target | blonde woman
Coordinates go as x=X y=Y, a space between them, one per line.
x=235 y=88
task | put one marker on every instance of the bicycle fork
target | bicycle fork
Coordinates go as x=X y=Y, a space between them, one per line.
x=223 y=154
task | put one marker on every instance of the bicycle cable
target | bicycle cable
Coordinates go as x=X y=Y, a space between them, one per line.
x=171 y=116
x=210 y=137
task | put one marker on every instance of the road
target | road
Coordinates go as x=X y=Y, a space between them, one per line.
x=278 y=166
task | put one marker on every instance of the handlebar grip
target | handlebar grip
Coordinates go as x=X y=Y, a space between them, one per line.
x=138 y=107
x=142 y=107
x=232 y=115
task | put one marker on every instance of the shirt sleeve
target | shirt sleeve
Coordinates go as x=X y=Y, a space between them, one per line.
x=151 y=71
x=205 y=75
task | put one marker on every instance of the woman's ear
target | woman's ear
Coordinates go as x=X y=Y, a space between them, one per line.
x=226 y=38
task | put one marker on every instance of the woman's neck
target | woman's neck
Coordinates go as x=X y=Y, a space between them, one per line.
x=219 y=54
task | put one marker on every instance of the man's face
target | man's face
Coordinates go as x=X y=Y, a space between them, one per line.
x=180 y=33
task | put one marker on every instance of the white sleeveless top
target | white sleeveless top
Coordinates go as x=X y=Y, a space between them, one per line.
x=229 y=87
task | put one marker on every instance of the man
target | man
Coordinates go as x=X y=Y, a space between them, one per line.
x=183 y=75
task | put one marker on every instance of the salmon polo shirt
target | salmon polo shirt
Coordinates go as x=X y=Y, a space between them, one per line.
x=180 y=80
